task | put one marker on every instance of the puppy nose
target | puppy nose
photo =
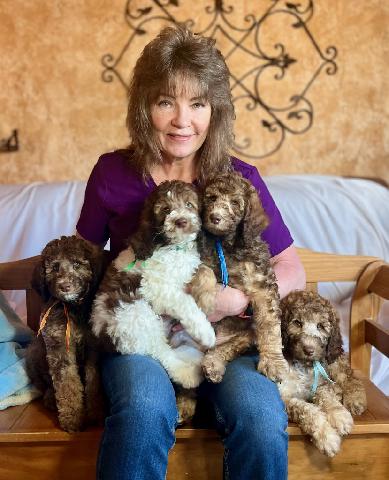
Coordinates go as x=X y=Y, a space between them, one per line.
x=181 y=222
x=215 y=218
x=65 y=287
x=308 y=351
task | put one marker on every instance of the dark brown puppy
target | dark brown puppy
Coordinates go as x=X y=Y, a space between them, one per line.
x=62 y=360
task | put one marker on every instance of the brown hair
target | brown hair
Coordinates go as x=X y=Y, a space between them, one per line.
x=177 y=53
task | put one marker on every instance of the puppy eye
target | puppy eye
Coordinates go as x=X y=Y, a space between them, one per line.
x=166 y=210
x=189 y=205
x=76 y=265
x=55 y=267
x=211 y=198
x=298 y=323
x=321 y=326
x=235 y=203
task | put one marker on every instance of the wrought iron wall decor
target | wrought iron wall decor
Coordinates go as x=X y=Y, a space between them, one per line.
x=10 y=144
x=260 y=50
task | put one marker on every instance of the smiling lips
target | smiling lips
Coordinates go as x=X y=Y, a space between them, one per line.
x=179 y=138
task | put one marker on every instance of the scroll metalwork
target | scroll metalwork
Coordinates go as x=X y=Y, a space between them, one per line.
x=273 y=57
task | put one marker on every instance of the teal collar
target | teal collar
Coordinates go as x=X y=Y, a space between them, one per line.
x=318 y=370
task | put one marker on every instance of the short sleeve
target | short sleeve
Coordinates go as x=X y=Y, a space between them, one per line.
x=277 y=234
x=94 y=217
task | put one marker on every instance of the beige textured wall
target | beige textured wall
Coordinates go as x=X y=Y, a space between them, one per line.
x=51 y=87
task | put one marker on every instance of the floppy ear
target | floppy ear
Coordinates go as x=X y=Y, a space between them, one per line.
x=286 y=313
x=38 y=280
x=147 y=236
x=95 y=257
x=255 y=219
x=335 y=345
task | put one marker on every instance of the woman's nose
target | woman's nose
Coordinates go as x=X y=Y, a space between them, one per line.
x=181 y=118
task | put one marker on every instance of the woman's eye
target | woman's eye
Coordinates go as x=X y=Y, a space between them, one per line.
x=198 y=105
x=189 y=205
x=164 y=103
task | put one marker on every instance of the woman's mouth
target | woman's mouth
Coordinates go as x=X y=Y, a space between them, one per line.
x=179 y=138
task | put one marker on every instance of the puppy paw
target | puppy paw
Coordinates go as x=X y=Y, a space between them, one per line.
x=355 y=402
x=71 y=421
x=327 y=441
x=341 y=420
x=206 y=336
x=273 y=367
x=188 y=375
x=214 y=368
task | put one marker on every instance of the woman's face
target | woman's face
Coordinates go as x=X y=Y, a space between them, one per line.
x=180 y=121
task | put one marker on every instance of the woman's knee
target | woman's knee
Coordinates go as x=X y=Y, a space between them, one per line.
x=138 y=387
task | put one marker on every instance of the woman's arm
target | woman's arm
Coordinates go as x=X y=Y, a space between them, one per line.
x=289 y=271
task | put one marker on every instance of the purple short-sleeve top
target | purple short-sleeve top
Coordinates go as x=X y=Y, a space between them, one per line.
x=115 y=194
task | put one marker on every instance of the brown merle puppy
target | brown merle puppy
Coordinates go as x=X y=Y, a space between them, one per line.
x=232 y=213
x=313 y=348
x=62 y=360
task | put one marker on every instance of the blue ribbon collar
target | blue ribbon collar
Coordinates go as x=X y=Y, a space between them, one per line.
x=318 y=370
x=222 y=261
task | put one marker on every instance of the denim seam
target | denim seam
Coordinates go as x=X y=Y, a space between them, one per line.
x=220 y=419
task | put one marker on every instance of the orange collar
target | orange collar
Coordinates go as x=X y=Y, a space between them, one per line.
x=45 y=317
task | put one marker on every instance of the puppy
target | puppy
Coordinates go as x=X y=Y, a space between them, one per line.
x=137 y=297
x=320 y=390
x=233 y=216
x=62 y=360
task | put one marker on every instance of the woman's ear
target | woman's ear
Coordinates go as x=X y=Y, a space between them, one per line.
x=38 y=280
x=255 y=219
x=335 y=344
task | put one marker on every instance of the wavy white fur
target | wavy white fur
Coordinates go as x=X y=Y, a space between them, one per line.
x=139 y=328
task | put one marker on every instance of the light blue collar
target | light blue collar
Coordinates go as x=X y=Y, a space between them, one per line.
x=318 y=370
x=222 y=261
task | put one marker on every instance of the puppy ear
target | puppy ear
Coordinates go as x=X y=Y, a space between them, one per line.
x=286 y=314
x=95 y=257
x=335 y=344
x=146 y=237
x=38 y=280
x=255 y=219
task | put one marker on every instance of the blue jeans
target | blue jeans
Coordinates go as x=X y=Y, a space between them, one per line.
x=140 y=428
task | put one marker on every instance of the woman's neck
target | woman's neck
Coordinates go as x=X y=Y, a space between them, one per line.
x=184 y=170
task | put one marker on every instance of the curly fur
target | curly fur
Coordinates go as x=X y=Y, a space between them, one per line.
x=128 y=309
x=69 y=271
x=233 y=212
x=310 y=332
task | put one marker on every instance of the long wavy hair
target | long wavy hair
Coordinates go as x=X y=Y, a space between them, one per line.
x=174 y=58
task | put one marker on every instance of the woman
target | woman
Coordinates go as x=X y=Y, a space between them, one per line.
x=180 y=118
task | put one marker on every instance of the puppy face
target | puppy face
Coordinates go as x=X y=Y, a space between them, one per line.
x=308 y=335
x=310 y=328
x=223 y=206
x=231 y=206
x=68 y=269
x=67 y=278
x=176 y=212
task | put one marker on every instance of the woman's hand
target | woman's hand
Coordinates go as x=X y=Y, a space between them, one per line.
x=229 y=302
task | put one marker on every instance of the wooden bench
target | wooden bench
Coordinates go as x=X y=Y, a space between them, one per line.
x=32 y=445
